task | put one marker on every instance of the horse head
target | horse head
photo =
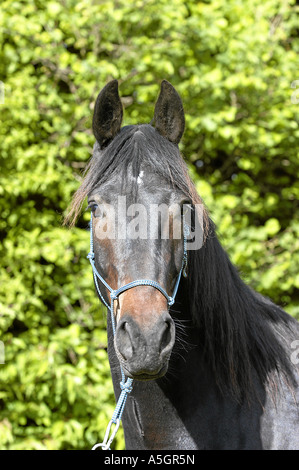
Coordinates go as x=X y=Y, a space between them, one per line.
x=136 y=210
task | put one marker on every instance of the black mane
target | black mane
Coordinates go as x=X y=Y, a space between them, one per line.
x=241 y=331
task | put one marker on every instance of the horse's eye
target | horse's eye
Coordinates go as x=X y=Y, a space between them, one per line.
x=97 y=211
x=93 y=206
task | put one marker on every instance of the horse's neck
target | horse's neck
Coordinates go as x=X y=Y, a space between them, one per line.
x=150 y=419
x=165 y=413
x=185 y=410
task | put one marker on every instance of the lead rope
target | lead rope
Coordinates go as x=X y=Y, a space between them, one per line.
x=126 y=386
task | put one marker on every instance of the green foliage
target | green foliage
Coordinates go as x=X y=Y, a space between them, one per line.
x=233 y=62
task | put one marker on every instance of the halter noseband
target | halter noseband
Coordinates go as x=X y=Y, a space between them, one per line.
x=126 y=386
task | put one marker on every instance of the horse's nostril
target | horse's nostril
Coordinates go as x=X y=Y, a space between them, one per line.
x=166 y=336
x=125 y=348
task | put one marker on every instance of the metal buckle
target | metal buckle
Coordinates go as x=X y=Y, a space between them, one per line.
x=105 y=445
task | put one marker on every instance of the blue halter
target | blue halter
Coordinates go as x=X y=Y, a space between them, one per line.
x=126 y=385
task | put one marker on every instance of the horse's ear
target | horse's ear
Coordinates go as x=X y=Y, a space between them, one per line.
x=169 y=113
x=108 y=113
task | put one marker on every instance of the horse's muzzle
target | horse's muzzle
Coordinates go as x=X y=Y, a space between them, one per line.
x=144 y=351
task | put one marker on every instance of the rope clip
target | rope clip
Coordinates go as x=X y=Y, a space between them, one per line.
x=105 y=445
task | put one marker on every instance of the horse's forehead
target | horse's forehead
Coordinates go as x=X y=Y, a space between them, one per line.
x=144 y=187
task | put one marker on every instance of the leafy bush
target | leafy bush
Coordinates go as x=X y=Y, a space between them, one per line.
x=234 y=64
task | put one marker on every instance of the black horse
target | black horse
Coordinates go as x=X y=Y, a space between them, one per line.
x=216 y=370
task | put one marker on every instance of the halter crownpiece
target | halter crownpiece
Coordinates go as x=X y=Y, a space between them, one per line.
x=127 y=385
